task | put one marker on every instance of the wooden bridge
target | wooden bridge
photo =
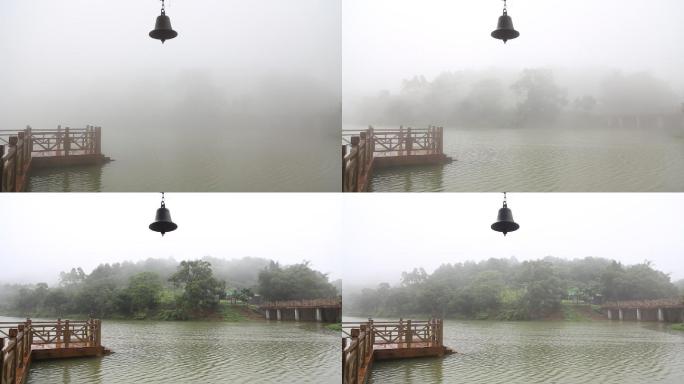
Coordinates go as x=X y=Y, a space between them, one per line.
x=22 y=343
x=319 y=310
x=29 y=149
x=364 y=343
x=664 y=310
x=363 y=152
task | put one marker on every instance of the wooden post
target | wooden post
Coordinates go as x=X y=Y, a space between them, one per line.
x=67 y=333
x=2 y=169
x=13 y=340
x=67 y=142
x=440 y=141
x=355 y=340
x=362 y=158
x=29 y=147
x=401 y=142
x=2 y=358
x=12 y=182
x=98 y=140
x=409 y=142
x=344 y=166
x=20 y=351
x=58 y=331
x=60 y=141
x=408 y=336
x=99 y=333
x=355 y=153
x=344 y=359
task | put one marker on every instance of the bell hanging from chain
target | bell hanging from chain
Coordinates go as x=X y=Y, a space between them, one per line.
x=504 y=220
x=162 y=221
x=162 y=28
x=504 y=30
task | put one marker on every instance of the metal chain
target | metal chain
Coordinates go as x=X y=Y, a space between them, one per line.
x=164 y=11
x=505 y=11
x=504 y=195
x=163 y=205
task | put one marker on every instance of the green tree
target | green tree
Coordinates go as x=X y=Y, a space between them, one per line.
x=294 y=282
x=143 y=292
x=201 y=290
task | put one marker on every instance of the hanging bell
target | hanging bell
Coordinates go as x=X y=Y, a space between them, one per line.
x=162 y=220
x=504 y=30
x=162 y=28
x=504 y=220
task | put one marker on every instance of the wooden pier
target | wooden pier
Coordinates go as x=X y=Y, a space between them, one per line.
x=363 y=152
x=364 y=343
x=22 y=343
x=319 y=310
x=663 y=310
x=22 y=151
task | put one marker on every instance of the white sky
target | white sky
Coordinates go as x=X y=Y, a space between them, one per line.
x=385 y=41
x=390 y=233
x=43 y=234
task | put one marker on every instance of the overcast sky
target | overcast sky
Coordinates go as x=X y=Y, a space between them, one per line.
x=43 y=234
x=385 y=41
x=390 y=233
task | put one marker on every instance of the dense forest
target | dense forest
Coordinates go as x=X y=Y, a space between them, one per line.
x=511 y=290
x=534 y=97
x=166 y=289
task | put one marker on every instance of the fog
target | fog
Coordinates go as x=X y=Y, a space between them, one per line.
x=45 y=234
x=239 y=101
x=395 y=233
x=427 y=62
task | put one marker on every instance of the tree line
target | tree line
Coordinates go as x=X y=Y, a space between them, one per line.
x=507 y=289
x=532 y=97
x=165 y=289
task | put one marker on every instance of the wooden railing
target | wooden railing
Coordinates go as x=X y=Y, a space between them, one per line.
x=335 y=302
x=18 y=340
x=361 y=339
x=18 y=148
x=645 y=304
x=359 y=149
x=357 y=351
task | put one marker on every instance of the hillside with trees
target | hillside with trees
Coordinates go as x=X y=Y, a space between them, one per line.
x=507 y=289
x=165 y=289
x=533 y=97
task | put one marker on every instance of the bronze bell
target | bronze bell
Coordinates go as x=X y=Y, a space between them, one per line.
x=162 y=220
x=162 y=28
x=504 y=30
x=504 y=220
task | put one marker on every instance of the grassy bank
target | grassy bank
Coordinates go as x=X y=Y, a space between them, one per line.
x=225 y=312
x=334 y=327
x=678 y=327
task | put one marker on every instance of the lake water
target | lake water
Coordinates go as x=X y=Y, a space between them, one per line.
x=547 y=352
x=251 y=159
x=547 y=160
x=204 y=352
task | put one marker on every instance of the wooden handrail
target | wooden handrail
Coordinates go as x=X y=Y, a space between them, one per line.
x=360 y=148
x=312 y=303
x=20 y=147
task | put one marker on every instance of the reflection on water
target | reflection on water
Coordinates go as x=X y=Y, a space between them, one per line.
x=204 y=352
x=547 y=161
x=546 y=352
x=73 y=178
